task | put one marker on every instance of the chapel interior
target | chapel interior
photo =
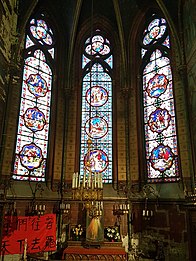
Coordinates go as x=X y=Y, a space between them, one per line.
x=98 y=128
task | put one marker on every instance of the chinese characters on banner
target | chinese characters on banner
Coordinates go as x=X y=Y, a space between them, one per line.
x=30 y=234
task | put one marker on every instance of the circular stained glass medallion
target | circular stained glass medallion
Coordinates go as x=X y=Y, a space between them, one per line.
x=156 y=30
x=157 y=85
x=96 y=161
x=96 y=127
x=105 y=50
x=96 y=96
x=159 y=120
x=37 y=85
x=161 y=158
x=97 y=38
x=34 y=119
x=31 y=156
x=97 y=46
x=40 y=31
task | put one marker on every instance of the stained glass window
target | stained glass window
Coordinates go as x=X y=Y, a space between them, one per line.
x=34 y=117
x=96 y=127
x=158 y=104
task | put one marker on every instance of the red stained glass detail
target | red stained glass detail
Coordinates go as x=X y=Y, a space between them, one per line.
x=159 y=120
x=96 y=127
x=157 y=85
x=97 y=46
x=40 y=31
x=96 y=96
x=37 y=85
x=34 y=119
x=31 y=156
x=96 y=161
x=154 y=32
x=161 y=158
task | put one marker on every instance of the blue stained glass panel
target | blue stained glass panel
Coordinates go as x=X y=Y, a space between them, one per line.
x=97 y=46
x=153 y=24
x=156 y=30
x=167 y=42
x=85 y=61
x=31 y=156
x=37 y=85
x=97 y=38
x=159 y=120
x=29 y=43
x=96 y=127
x=51 y=51
x=96 y=121
x=105 y=50
x=34 y=117
x=96 y=161
x=96 y=96
x=40 y=31
x=161 y=158
x=159 y=111
x=143 y=52
x=109 y=61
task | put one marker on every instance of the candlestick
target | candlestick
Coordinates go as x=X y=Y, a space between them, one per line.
x=73 y=180
x=25 y=249
x=84 y=180
x=76 y=180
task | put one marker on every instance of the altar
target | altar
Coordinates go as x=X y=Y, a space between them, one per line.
x=107 y=251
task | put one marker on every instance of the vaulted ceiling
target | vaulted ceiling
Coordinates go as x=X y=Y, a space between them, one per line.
x=71 y=14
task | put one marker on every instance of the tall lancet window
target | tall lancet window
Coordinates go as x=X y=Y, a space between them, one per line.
x=34 y=116
x=96 y=122
x=158 y=103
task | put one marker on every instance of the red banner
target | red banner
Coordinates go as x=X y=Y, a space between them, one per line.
x=32 y=234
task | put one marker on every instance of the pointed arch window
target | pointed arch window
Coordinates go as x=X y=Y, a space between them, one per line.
x=96 y=122
x=34 y=116
x=158 y=103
